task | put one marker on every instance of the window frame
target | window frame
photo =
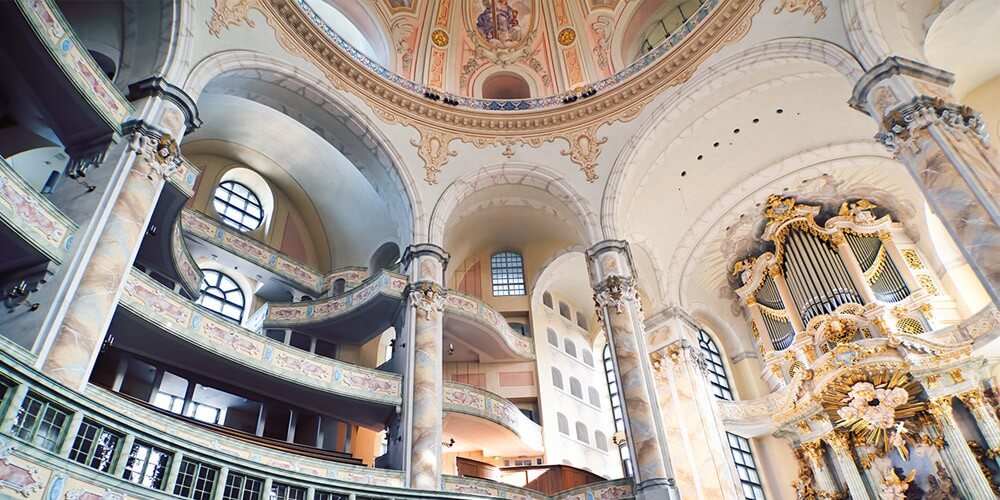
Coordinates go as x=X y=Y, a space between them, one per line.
x=252 y=200
x=196 y=488
x=715 y=364
x=507 y=274
x=242 y=491
x=39 y=418
x=617 y=410
x=147 y=462
x=204 y=290
x=740 y=457
x=89 y=456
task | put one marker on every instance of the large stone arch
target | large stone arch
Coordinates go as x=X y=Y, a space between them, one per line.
x=312 y=102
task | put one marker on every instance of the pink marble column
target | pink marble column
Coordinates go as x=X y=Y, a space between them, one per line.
x=153 y=157
x=696 y=439
x=620 y=311
x=946 y=148
x=423 y=399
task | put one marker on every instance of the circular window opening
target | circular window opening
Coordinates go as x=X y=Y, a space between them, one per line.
x=506 y=86
x=238 y=206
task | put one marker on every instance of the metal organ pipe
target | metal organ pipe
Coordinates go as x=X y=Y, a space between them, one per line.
x=821 y=280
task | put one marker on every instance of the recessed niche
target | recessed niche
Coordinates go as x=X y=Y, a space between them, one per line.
x=506 y=86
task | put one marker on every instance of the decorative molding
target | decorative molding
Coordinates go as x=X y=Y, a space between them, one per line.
x=813 y=8
x=34 y=217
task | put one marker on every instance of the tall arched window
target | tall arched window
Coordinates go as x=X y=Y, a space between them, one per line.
x=563 y=423
x=616 y=410
x=601 y=441
x=746 y=467
x=508 y=274
x=239 y=207
x=553 y=337
x=716 y=368
x=666 y=25
x=582 y=433
x=575 y=388
x=547 y=299
x=581 y=321
x=595 y=399
x=564 y=310
x=221 y=294
x=557 y=378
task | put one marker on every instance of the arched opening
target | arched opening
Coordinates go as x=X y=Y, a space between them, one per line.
x=506 y=86
x=386 y=257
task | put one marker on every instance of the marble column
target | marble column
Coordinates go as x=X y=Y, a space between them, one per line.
x=786 y=298
x=964 y=466
x=696 y=442
x=867 y=455
x=843 y=458
x=425 y=265
x=945 y=147
x=986 y=419
x=620 y=312
x=815 y=456
x=853 y=267
x=152 y=155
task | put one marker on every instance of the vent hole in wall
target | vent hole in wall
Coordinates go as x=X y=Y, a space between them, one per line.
x=684 y=173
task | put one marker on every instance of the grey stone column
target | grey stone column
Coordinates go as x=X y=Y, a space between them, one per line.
x=843 y=457
x=946 y=148
x=963 y=464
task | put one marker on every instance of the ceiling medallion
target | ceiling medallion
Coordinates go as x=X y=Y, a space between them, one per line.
x=567 y=36
x=440 y=38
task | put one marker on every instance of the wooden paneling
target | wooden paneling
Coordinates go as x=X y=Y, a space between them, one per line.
x=548 y=479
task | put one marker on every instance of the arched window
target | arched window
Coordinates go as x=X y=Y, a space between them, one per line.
x=601 y=441
x=580 y=320
x=563 y=423
x=557 y=378
x=666 y=25
x=716 y=368
x=575 y=388
x=338 y=286
x=553 y=338
x=616 y=409
x=239 y=207
x=569 y=347
x=595 y=399
x=221 y=294
x=588 y=358
x=547 y=299
x=508 y=274
x=746 y=467
x=564 y=310
x=582 y=433
x=506 y=86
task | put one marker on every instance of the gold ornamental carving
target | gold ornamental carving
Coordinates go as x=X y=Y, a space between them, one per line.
x=566 y=36
x=813 y=8
x=439 y=123
x=440 y=38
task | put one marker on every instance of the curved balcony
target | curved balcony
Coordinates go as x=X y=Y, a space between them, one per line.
x=468 y=318
x=473 y=416
x=47 y=234
x=605 y=490
x=187 y=270
x=358 y=314
x=177 y=316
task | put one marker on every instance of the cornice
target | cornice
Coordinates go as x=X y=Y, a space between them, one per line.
x=440 y=124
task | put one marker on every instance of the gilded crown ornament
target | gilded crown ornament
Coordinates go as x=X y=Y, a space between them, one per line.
x=161 y=153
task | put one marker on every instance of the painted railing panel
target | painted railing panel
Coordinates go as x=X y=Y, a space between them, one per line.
x=316 y=311
x=216 y=233
x=59 y=39
x=184 y=263
x=617 y=489
x=149 y=299
x=352 y=276
x=34 y=217
x=219 y=443
x=610 y=490
x=471 y=307
x=470 y=400
x=184 y=177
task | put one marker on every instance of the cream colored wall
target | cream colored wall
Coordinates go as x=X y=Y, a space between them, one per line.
x=271 y=234
x=535 y=256
x=986 y=100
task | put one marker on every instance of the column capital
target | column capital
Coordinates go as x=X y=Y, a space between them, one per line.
x=614 y=293
x=609 y=258
x=426 y=296
x=425 y=262
x=940 y=408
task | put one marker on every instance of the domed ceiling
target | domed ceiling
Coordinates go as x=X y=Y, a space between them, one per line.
x=505 y=49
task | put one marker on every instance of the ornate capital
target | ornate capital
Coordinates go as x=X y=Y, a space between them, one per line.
x=678 y=353
x=614 y=293
x=940 y=407
x=974 y=399
x=839 y=441
x=813 y=450
x=161 y=152
x=427 y=297
x=900 y=124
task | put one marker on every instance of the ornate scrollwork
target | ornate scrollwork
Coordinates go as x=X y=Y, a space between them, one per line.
x=900 y=124
x=614 y=293
x=161 y=153
x=427 y=297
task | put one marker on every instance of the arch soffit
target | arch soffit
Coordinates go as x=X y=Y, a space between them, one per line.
x=770 y=54
x=511 y=174
x=406 y=205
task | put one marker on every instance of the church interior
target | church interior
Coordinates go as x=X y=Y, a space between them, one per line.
x=516 y=249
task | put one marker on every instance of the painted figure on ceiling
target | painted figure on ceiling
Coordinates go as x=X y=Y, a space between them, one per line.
x=500 y=23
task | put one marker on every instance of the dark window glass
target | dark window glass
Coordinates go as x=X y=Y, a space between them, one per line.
x=196 y=480
x=746 y=467
x=716 y=367
x=508 y=274
x=95 y=446
x=242 y=487
x=40 y=422
x=221 y=294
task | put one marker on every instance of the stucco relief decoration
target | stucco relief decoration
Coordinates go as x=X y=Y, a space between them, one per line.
x=80 y=494
x=20 y=479
x=228 y=13
x=900 y=124
x=433 y=149
x=813 y=8
x=427 y=298
x=584 y=148
x=614 y=294
x=874 y=407
x=161 y=153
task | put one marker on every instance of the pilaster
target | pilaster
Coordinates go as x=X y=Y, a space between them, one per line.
x=964 y=466
x=843 y=458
